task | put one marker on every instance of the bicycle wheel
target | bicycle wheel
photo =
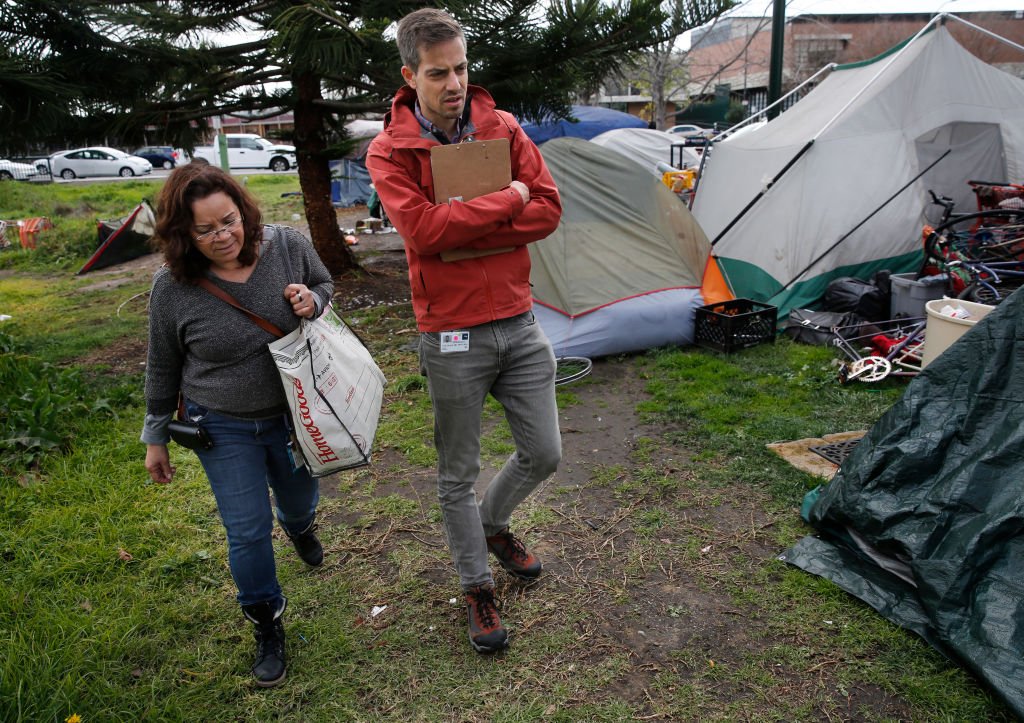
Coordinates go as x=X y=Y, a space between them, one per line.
x=990 y=293
x=571 y=368
x=981 y=236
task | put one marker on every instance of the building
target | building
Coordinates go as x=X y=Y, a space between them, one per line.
x=736 y=51
x=732 y=55
x=260 y=124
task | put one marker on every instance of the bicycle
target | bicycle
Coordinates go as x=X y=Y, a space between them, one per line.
x=982 y=251
x=892 y=348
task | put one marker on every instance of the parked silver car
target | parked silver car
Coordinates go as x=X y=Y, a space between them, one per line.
x=97 y=161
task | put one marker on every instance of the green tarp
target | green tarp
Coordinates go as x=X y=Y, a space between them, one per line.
x=925 y=519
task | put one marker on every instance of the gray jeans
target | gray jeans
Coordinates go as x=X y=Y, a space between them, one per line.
x=511 y=359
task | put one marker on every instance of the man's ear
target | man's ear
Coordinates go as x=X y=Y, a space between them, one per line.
x=410 y=77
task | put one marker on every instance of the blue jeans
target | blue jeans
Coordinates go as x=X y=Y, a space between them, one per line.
x=247 y=456
x=512 y=360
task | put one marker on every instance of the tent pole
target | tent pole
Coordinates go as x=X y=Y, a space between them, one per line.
x=879 y=74
x=700 y=170
x=866 y=219
x=760 y=195
x=824 y=68
x=986 y=32
x=826 y=127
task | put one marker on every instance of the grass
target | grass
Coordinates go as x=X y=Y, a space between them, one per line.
x=663 y=599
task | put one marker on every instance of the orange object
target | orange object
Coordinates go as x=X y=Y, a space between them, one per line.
x=28 y=229
x=679 y=181
x=351 y=240
x=713 y=287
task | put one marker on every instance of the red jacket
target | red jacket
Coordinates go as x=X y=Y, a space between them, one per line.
x=459 y=294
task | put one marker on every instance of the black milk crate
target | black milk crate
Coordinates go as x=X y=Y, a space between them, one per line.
x=736 y=324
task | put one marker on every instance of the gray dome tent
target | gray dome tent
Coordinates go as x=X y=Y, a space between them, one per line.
x=624 y=268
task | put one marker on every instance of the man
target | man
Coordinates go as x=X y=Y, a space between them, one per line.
x=477 y=333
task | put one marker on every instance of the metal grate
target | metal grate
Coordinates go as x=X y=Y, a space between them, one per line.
x=837 y=451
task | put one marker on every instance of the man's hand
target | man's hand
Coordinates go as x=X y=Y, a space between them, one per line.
x=524 y=192
x=158 y=463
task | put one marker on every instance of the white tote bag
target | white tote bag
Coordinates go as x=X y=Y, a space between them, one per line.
x=334 y=391
x=333 y=387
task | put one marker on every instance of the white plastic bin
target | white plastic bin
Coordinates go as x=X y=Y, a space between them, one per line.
x=941 y=331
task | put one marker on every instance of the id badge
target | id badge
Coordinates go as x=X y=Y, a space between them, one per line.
x=453 y=341
x=292 y=445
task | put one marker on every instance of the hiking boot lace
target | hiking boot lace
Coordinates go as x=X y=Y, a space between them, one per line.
x=518 y=551
x=269 y=641
x=486 y=607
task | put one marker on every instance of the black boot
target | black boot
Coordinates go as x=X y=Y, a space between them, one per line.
x=307 y=544
x=269 y=666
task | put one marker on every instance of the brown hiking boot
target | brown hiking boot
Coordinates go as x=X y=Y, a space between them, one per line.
x=513 y=556
x=486 y=633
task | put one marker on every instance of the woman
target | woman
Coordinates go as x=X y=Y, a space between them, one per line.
x=216 y=358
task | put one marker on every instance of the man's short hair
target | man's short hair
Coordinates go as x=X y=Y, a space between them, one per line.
x=425 y=27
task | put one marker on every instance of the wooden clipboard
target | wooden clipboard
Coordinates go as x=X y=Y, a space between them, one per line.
x=464 y=171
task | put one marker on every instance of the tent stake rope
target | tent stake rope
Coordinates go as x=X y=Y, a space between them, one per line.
x=867 y=218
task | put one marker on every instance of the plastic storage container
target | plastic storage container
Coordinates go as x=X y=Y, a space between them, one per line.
x=910 y=294
x=941 y=331
x=735 y=324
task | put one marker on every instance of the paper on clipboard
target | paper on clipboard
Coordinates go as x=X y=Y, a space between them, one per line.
x=464 y=171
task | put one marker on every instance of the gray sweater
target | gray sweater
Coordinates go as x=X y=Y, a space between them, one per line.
x=215 y=354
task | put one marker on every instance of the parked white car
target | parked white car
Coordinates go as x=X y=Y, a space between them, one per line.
x=687 y=129
x=9 y=170
x=97 y=161
x=248 y=150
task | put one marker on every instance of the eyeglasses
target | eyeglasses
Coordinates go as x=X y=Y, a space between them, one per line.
x=210 y=236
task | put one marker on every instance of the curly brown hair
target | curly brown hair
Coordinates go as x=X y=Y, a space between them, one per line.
x=174 y=235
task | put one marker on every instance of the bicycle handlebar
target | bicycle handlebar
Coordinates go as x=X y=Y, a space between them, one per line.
x=944 y=201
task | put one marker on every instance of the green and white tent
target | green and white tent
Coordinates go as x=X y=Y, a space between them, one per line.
x=838 y=184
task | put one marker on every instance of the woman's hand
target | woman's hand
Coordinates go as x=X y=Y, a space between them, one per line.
x=158 y=463
x=301 y=298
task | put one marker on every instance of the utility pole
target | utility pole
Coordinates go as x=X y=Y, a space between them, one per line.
x=775 y=61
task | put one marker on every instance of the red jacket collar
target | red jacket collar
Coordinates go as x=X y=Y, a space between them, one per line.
x=401 y=122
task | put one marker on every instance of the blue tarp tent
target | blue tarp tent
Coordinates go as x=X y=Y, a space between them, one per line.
x=350 y=183
x=592 y=121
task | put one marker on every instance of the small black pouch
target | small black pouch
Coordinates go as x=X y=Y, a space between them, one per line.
x=190 y=435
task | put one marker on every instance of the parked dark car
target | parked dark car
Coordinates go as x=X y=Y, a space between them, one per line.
x=160 y=156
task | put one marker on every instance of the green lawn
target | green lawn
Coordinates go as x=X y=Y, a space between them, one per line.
x=663 y=600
